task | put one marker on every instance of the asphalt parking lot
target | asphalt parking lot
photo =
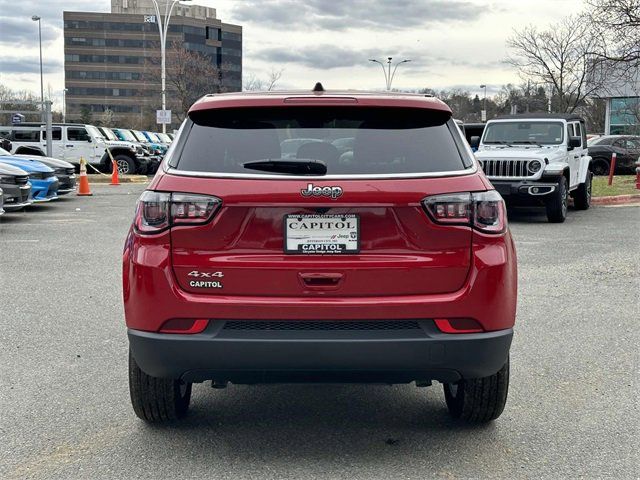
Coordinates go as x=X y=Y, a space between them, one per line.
x=573 y=409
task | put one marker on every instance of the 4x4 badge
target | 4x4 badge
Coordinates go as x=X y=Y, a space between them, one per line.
x=333 y=192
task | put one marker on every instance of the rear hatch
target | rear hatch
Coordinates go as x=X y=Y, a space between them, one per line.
x=355 y=227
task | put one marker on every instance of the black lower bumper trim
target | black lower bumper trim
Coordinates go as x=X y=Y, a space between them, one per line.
x=525 y=192
x=313 y=356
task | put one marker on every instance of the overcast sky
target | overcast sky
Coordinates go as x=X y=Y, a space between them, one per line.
x=451 y=43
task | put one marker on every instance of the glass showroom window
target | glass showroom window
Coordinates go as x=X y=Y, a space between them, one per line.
x=624 y=117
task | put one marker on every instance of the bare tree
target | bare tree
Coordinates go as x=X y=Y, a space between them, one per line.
x=274 y=78
x=108 y=118
x=254 y=83
x=560 y=57
x=190 y=75
x=616 y=23
x=7 y=95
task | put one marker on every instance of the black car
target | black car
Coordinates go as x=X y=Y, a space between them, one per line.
x=16 y=190
x=627 y=148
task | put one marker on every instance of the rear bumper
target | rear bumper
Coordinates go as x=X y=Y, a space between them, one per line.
x=222 y=354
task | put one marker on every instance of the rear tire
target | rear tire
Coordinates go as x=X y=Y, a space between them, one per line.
x=558 y=204
x=600 y=166
x=478 y=400
x=582 y=198
x=157 y=400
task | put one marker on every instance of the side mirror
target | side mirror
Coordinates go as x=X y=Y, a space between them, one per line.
x=475 y=141
x=574 y=142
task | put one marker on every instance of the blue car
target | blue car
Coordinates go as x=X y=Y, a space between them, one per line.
x=155 y=142
x=43 y=180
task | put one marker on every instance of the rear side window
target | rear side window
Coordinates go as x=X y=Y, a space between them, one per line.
x=56 y=134
x=77 y=134
x=351 y=141
x=26 y=135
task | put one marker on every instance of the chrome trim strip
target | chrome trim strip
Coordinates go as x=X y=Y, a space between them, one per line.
x=187 y=173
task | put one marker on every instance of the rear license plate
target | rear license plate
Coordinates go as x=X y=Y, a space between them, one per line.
x=322 y=234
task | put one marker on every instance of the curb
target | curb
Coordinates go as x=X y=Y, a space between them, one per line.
x=94 y=178
x=616 y=200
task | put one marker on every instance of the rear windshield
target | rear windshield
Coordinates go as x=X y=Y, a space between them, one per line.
x=353 y=141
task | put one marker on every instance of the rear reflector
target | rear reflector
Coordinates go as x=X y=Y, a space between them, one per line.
x=458 y=325
x=184 y=325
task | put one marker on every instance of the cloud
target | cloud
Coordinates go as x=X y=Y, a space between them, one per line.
x=28 y=65
x=329 y=56
x=19 y=31
x=349 y=14
x=49 y=10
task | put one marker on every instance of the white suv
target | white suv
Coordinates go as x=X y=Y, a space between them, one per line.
x=74 y=141
x=538 y=159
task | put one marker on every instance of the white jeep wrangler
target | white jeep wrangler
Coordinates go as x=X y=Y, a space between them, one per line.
x=538 y=159
x=71 y=141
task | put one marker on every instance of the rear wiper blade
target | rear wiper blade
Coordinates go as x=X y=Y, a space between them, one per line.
x=297 y=166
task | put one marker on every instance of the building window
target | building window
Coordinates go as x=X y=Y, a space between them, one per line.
x=624 y=116
x=231 y=36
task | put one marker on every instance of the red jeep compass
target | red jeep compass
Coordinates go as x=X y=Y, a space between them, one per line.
x=319 y=237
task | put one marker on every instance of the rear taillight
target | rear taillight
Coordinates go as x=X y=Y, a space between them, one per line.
x=157 y=211
x=484 y=211
x=152 y=212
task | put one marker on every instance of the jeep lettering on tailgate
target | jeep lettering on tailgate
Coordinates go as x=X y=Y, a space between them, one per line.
x=333 y=192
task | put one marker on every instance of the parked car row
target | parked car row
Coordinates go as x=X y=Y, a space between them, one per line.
x=133 y=151
x=27 y=179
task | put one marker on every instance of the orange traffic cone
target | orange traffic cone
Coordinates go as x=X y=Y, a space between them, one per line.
x=83 y=187
x=114 y=173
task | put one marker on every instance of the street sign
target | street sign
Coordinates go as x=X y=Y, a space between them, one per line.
x=17 y=118
x=483 y=114
x=163 y=116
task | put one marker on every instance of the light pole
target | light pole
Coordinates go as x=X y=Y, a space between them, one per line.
x=64 y=105
x=388 y=76
x=36 y=18
x=163 y=29
x=483 y=115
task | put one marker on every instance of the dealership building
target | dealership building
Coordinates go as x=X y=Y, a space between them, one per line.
x=112 y=60
x=621 y=91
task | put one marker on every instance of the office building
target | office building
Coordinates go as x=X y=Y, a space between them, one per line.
x=112 y=60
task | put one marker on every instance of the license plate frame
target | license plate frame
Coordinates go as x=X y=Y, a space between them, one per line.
x=317 y=237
